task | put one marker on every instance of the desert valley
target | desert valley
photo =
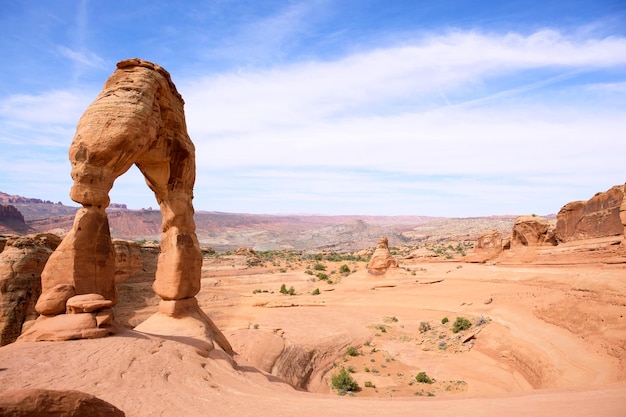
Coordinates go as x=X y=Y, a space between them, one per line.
x=546 y=320
x=107 y=311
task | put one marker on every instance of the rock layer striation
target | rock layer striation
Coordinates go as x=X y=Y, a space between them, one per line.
x=138 y=118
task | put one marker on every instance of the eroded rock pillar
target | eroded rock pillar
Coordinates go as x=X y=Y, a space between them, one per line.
x=85 y=258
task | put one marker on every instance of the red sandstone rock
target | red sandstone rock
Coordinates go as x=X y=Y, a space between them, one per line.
x=532 y=231
x=128 y=259
x=30 y=402
x=602 y=215
x=54 y=300
x=21 y=264
x=488 y=246
x=138 y=118
x=381 y=259
x=87 y=303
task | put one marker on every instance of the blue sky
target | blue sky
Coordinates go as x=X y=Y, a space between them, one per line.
x=447 y=108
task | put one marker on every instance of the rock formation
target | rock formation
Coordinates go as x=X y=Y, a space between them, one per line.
x=602 y=215
x=128 y=259
x=11 y=220
x=33 y=402
x=138 y=119
x=381 y=259
x=488 y=246
x=532 y=231
x=10 y=212
x=21 y=264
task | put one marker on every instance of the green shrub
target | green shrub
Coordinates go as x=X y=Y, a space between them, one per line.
x=424 y=327
x=461 y=323
x=319 y=267
x=284 y=290
x=422 y=378
x=444 y=320
x=316 y=292
x=369 y=384
x=344 y=269
x=352 y=351
x=322 y=276
x=343 y=382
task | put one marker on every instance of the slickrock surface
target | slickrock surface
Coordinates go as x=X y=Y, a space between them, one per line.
x=552 y=344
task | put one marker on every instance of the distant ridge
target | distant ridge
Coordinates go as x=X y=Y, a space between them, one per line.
x=229 y=231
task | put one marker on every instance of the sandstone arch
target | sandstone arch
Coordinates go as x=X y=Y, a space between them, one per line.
x=138 y=118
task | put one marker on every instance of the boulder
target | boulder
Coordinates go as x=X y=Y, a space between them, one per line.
x=21 y=264
x=488 y=246
x=382 y=259
x=532 y=231
x=603 y=215
x=87 y=303
x=54 y=300
x=34 y=402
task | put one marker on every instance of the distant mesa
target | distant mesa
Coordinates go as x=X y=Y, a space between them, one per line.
x=10 y=212
x=12 y=220
x=381 y=260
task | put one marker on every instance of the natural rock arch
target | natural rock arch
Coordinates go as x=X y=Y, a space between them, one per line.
x=138 y=118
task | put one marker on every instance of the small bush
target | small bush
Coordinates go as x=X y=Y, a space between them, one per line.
x=319 y=267
x=424 y=327
x=461 y=323
x=352 y=351
x=344 y=269
x=322 y=276
x=343 y=382
x=284 y=290
x=316 y=292
x=422 y=378
x=369 y=384
x=444 y=320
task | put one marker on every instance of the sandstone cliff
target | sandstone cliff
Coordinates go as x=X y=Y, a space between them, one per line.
x=21 y=264
x=602 y=215
x=11 y=220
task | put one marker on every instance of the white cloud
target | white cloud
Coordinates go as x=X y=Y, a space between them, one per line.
x=369 y=82
x=55 y=107
x=426 y=127
x=82 y=58
x=434 y=108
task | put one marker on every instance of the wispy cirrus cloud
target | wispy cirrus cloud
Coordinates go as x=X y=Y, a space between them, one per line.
x=81 y=57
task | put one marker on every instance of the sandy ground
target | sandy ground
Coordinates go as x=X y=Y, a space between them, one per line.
x=545 y=340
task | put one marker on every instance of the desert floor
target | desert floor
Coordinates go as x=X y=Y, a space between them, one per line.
x=545 y=340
